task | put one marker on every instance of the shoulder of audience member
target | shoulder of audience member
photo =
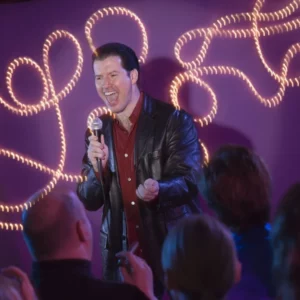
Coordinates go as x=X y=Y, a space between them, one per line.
x=122 y=290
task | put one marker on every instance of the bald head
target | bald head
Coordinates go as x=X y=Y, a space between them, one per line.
x=57 y=226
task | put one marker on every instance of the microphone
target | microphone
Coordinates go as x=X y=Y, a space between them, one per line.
x=96 y=128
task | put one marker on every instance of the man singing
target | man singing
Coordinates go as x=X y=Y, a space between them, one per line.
x=151 y=163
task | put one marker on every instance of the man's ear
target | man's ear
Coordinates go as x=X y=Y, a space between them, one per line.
x=134 y=76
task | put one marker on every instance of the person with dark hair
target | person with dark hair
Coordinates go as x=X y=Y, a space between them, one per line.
x=59 y=237
x=151 y=163
x=199 y=260
x=286 y=245
x=236 y=185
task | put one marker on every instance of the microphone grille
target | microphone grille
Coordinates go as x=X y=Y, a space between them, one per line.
x=96 y=124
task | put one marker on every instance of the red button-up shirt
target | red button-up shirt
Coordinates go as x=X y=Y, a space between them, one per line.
x=124 y=145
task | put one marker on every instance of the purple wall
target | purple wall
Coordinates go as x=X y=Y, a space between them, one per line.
x=241 y=118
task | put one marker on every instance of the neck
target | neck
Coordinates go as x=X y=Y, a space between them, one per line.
x=123 y=116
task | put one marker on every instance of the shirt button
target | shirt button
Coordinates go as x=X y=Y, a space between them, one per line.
x=126 y=155
x=132 y=203
x=137 y=226
x=129 y=179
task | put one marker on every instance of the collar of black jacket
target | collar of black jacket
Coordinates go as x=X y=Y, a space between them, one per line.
x=148 y=105
x=60 y=268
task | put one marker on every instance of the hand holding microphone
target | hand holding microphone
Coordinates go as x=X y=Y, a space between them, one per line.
x=97 y=150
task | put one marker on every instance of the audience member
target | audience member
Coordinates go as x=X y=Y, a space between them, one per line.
x=15 y=285
x=236 y=186
x=59 y=237
x=199 y=259
x=286 y=245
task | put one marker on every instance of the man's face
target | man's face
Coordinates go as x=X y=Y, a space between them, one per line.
x=113 y=83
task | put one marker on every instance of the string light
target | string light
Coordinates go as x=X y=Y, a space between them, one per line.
x=194 y=73
x=50 y=98
x=11 y=226
x=116 y=11
x=97 y=112
x=205 y=153
x=46 y=103
x=195 y=70
x=179 y=80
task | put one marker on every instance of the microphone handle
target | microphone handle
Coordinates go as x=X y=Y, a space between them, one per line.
x=99 y=163
x=99 y=166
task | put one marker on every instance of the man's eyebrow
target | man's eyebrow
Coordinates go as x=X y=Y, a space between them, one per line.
x=114 y=71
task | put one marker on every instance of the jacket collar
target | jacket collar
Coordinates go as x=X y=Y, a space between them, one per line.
x=145 y=128
x=50 y=269
x=148 y=106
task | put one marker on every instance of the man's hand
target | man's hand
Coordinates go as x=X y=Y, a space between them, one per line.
x=148 y=191
x=97 y=150
x=26 y=287
x=140 y=275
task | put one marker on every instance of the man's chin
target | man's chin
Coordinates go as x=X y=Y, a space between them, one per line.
x=112 y=108
x=117 y=109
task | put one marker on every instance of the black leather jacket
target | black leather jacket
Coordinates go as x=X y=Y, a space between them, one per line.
x=167 y=150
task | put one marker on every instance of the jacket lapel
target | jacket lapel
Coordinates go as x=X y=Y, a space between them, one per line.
x=109 y=140
x=145 y=129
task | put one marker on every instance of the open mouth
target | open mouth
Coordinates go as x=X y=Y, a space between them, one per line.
x=107 y=94
x=111 y=97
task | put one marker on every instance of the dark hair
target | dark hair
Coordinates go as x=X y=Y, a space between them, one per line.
x=199 y=258
x=236 y=185
x=127 y=55
x=285 y=238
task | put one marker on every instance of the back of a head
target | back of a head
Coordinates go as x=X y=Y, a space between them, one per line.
x=199 y=258
x=10 y=289
x=286 y=245
x=50 y=223
x=236 y=185
x=128 y=56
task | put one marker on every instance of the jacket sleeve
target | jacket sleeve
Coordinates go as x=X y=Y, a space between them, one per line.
x=91 y=192
x=182 y=169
